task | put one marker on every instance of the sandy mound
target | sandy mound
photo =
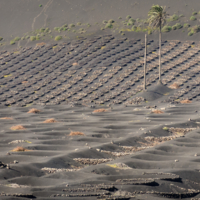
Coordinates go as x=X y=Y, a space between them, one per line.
x=100 y=110
x=20 y=149
x=33 y=110
x=17 y=127
x=157 y=111
x=7 y=118
x=174 y=86
x=52 y=120
x=73 y=133
x=185 y=101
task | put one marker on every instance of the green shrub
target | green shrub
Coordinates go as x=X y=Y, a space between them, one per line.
x=12 y=42
x=174 y=17
x=46 y=30
x=128 y=17
x=193 y=18
x=111 y=21
x=37 y=37
x=131 y=21
x=40 y=5
x=65 y=25
x=102 y=29
x=120 y=18
x=27 y=37
x=178 y=25
x=17 y=39
x=108 y=25
x=134 y=28
x=174 y=27
x=60 y=29
x=56 y=28
x=1 y=38
x=88 y=25
x=128 y=24
x=22 y=38
x=165 y=129
x=64 y=29
x=166 y=29
x=181 y=15
x=42 y=30
x=79 y=23
x=72 y=25
x=32 y=38
x=194 y=13
x=57 y=38
x=190 y=34
x=150 y=32
x=105 y=22
x=186 y=25
x=195 y=29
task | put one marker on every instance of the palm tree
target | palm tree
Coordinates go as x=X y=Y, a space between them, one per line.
x=157 y=18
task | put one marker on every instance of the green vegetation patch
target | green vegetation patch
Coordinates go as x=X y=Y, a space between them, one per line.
x=17 y=39
x=32 y=38
x=193 y=18
x=57 y=38
x=1 y=38
x=173 y=18
x=186 y=25
x=194 y=13
x=12 y=42
x=109 y=25
x=166 y=29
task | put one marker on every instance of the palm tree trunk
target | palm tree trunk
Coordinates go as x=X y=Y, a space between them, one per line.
x=160 y=55
x=145 y=61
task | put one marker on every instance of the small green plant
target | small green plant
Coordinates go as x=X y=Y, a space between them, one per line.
x=195 y=29
x=111 y=21
x=65 y=25
x=131 y=21
x=79 y=23
x=57 y=38
x=134 y=28
x=27 y=37
x=190 y=34
x=174 y=27
x=32 y=38
x=120 y=18
x=60 y=29
x=12 y=42
x=194 y=13
x=108 y=25
x=17 y=39
x=22 y=38
x=64 y=29
x=186 y=25
x=178 y=25
x=40 y=5
x=128 y=24
x=105 y=22
x=165 y=129
x=128 y=17
x=46 y=30
x=72 y=25
x=150 y=32
x=193 y=18
x=102 y=29
x=181 y=15
x=37 y=37
x=56 y=28
x=173 y=18
x=42 y=29
x=88 y=25
x=166 y=29
x=1 y=38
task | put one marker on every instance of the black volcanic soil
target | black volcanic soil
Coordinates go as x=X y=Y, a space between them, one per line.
x=125 y=152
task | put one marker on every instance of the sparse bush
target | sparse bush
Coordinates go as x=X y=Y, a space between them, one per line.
x=42 y=29
x=174 y=27
x=166 y=29
x=128 y=17
x=64 y=29
x=105 y=22
x=46 y=30
x=111 y=21
x=56 y=28
x=128 y=24
x=40 y=5
x=108 y=25
x=186 y=25
x=17 y=39
x=88 y=25
x=65 y=25
x=37 y=37
x=195 y=29
x=79 y=23
x=57 y=38
x=27 y=37
x=120 y=18
x=32 y=38
x=12 y=42
x=150 y=32
x=131 y=21
x=181 y=15
x=71 y=25
x=178 y=25
x=73 y=31
x=22 y=38
x=193 y=18
x=190 y=33
x=134 y=28
x=174 y=17
x=1 y=38
x=60 y=29
x=194 y=13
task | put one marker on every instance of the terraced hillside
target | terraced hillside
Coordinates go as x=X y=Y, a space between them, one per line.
x=101 y=70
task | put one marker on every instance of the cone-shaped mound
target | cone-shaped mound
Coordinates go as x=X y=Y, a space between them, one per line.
x=155 y=92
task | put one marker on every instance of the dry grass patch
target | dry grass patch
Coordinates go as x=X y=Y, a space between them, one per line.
x=52 y=120
x=74 y=64
x=10 y=118
x=40 y=44
x=17 y=127
x=20 y=149
x=174 y=86
x=24 y=82
x=157 y=111
x=74 y=133
x=100 y=110
x=185 y=101
x=33 y=110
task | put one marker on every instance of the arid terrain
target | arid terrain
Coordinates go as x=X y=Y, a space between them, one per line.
x=75 y=120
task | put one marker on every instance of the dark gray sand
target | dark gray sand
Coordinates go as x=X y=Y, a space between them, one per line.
x=125 y=152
